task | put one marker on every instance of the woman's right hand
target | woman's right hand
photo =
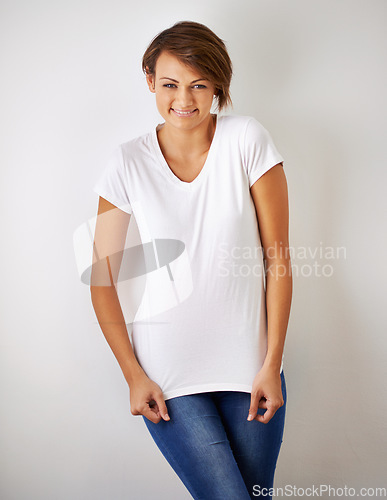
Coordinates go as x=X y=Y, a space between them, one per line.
x=146 y=398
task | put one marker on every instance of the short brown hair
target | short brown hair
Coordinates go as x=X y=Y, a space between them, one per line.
x=199 y=48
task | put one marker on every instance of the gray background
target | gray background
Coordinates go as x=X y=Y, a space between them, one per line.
x=313 y=73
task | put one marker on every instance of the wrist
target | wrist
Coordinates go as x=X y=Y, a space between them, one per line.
x=133 y=373
x=272 y=365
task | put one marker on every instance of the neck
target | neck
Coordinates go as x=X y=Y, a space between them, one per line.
x=180 y=143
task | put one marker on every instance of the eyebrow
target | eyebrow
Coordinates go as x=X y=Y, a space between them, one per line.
x=194 y=81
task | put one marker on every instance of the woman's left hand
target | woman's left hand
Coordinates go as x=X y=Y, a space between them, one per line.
x=266 y=393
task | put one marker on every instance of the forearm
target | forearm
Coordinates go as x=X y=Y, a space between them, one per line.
x=112 y=322
x=279 y=287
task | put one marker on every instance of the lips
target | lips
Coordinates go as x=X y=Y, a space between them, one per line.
x=179 y=112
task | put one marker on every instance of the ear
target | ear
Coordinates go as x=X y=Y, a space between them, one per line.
x=150 y=80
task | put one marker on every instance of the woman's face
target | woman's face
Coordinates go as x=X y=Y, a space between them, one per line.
x=183 y=98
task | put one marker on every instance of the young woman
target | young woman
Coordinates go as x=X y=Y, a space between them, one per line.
x=205 y=370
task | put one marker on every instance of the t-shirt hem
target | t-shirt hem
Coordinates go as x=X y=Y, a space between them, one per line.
x=220 y=386
x=196 y=389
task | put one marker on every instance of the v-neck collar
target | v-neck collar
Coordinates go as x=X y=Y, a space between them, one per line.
x=166 y=168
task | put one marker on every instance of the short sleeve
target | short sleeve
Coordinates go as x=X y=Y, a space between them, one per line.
x=260 y=153
x=113 y=182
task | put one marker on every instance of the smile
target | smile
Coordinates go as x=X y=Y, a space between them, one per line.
x=183 y=113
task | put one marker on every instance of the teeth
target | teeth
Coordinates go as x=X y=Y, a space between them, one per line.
x=183 y=112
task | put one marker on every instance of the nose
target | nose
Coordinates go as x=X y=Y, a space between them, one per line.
x=183 y=98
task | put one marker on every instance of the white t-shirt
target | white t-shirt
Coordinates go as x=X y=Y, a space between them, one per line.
x=205 y=326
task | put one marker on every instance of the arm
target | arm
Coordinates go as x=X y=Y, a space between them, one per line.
x=109 y=240
x=270 y=196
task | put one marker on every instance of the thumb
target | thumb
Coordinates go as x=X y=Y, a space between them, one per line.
x=253 y=407
x=163 y=410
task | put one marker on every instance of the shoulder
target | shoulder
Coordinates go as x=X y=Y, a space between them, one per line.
x=245 y=132
x=235 y=121
x=136 y=147
x=246 y=127
x=129 y=152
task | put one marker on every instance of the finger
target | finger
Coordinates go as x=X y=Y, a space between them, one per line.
x=151 y=414
x=262 y=403
x=162 y=407
x=255 y=400
x=267 y=416
x=253 y=408
x=153 y=407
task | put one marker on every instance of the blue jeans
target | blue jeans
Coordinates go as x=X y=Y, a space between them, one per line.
x=216 y=452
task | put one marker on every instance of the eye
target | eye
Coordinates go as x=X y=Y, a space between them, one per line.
x=171 y=85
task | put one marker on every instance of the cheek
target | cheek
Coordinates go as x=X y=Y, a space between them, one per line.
x=164 y=97
x=207 y=99
x=161 y=98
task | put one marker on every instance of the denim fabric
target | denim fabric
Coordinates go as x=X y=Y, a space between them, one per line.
x=216 y=452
